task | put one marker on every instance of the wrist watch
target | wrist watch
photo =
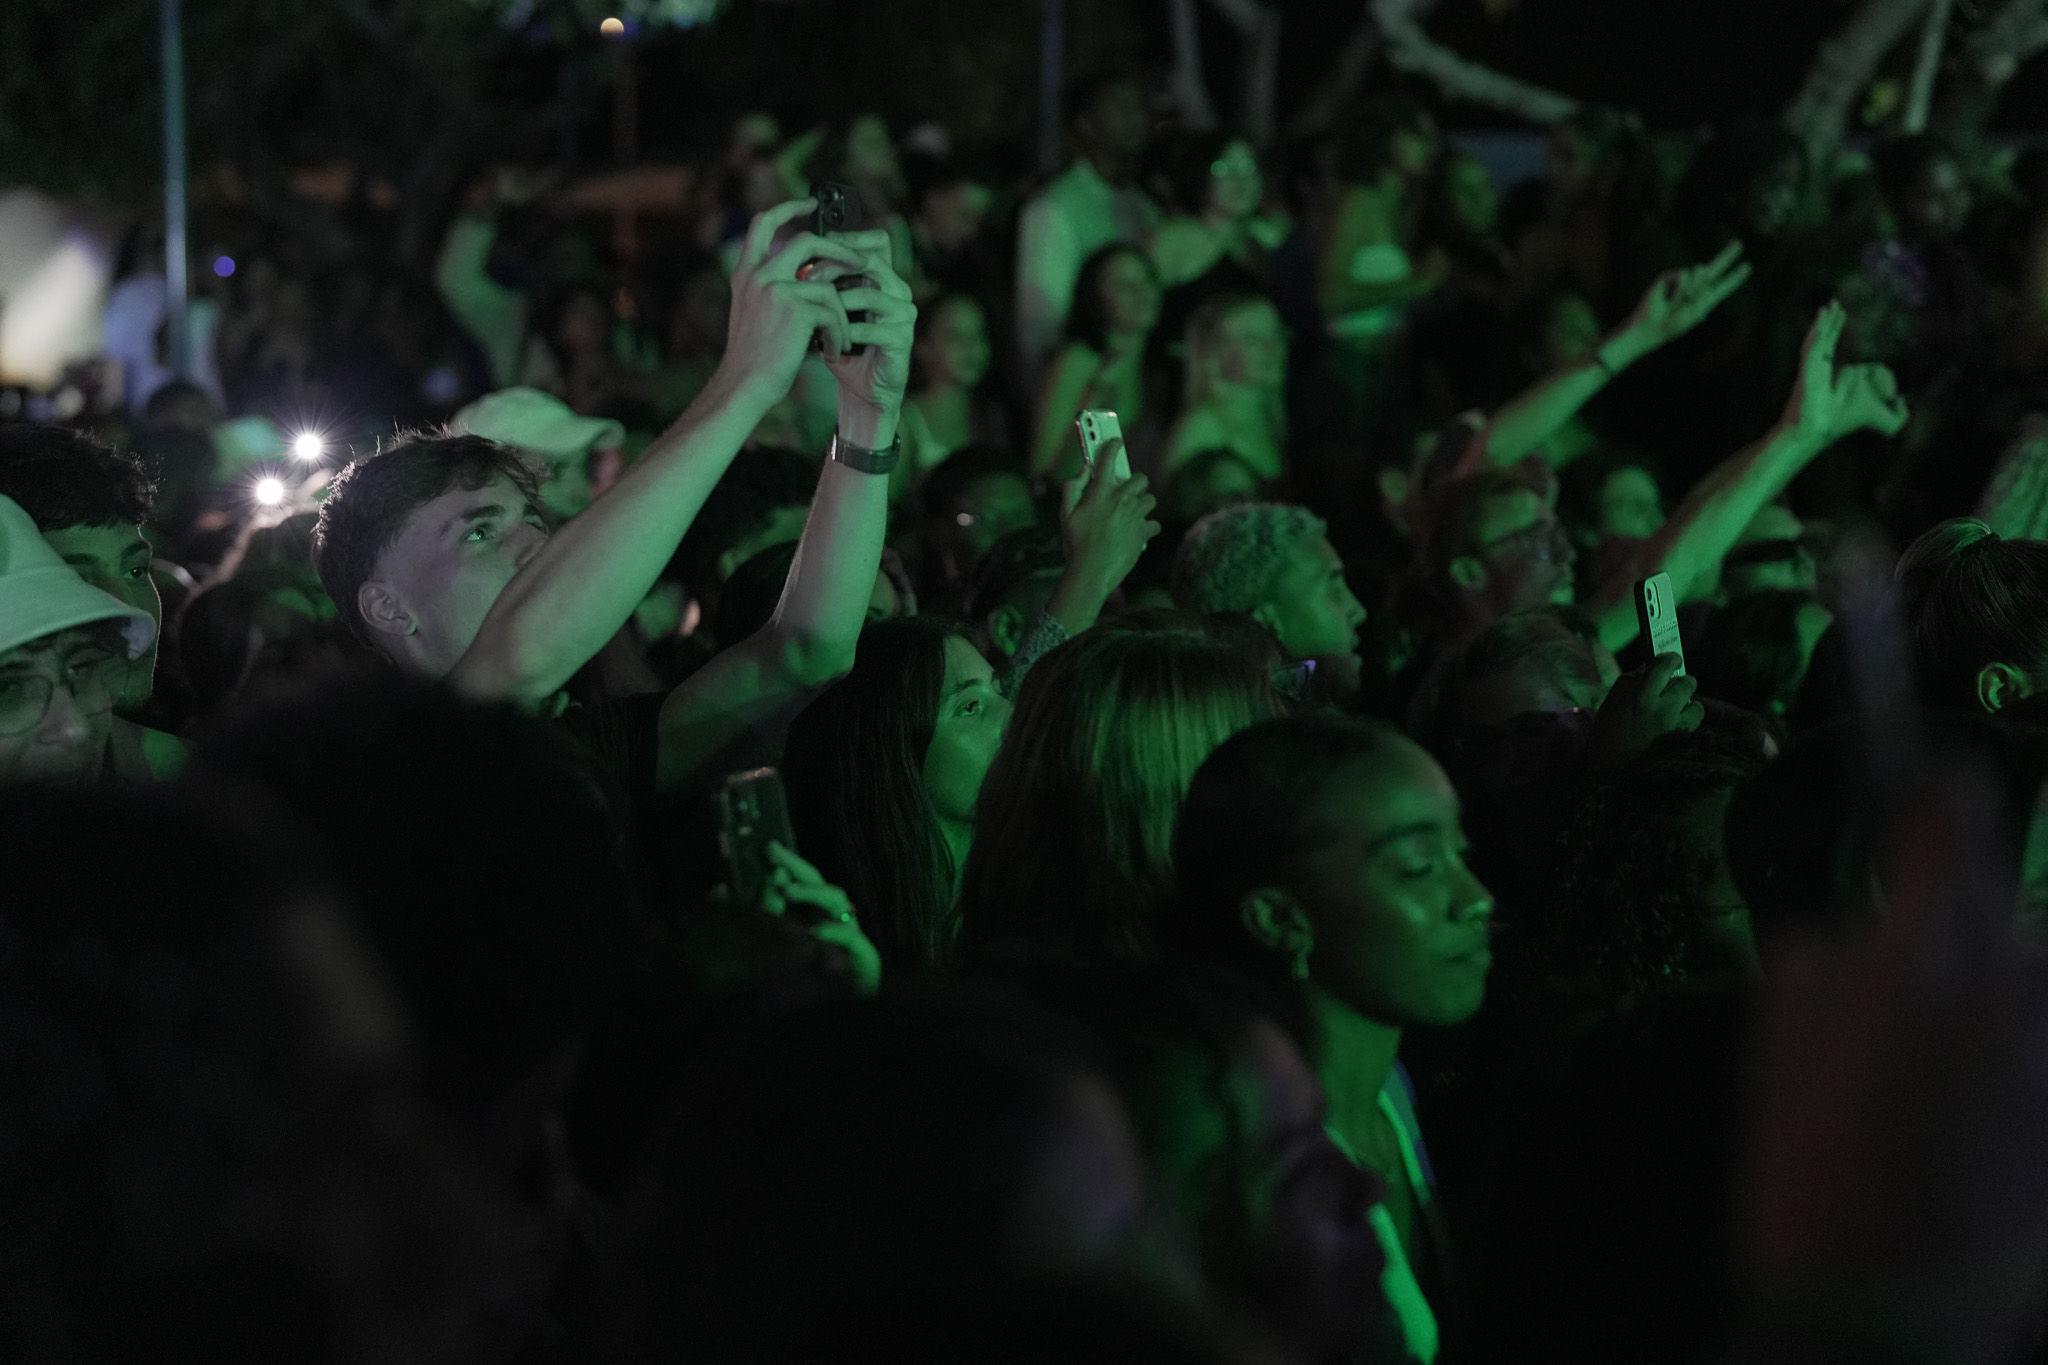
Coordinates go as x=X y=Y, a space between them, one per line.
x=862 y=458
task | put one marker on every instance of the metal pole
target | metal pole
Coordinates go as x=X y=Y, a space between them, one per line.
x=1926 y=64
x=1051 y=66
x=171 y=39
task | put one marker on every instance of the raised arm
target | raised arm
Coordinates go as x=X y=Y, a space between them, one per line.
x=585 y=581
x=759 y=684
x=1676 y=302
x=1825 y=406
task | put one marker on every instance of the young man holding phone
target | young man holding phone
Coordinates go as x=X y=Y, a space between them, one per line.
x=437 y=556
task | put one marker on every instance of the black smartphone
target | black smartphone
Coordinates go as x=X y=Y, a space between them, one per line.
x=1657 y=617
x=838 y=210
x=752 y=811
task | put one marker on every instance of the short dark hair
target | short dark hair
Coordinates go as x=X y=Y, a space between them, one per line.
x=757 y=483
x=369 y=501
x=1970 y=597
x=950 y=479
x=63 y=478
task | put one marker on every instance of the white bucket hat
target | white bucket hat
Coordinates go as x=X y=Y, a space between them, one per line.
x=40 y=594
x=535 y=421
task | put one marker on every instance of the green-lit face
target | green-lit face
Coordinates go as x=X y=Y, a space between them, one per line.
x=966 y=735
x=115 y=559
x=1401 y=924
x=1315 y=613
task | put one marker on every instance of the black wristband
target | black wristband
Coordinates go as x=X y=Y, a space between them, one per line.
x=863 y=459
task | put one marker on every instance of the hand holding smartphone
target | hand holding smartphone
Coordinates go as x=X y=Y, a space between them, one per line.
x=838 y=210
x=1099 y=427
x=1657 y=618
x=753 y=811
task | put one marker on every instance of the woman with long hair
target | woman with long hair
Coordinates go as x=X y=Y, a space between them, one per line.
x=1236 y=377
x=1102 y=363
x=884 y=772
x=948 y=409
x=1072 y=839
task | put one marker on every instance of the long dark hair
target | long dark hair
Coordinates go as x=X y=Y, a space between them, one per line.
x=1245 y=826
x=854 y=767
x=1088 y=322
x=1073 y=831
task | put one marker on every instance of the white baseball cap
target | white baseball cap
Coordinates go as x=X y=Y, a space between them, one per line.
x=535 y=421
x=40 y=594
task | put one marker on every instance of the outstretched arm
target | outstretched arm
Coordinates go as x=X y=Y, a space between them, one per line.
x=584 y=583
x=1677 y=302
x=764 y=680
x=1825 y=406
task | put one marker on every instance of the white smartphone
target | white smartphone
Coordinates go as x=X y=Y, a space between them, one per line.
x=1098 y=428
x=1657 y=615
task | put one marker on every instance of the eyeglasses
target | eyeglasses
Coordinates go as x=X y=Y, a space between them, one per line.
x=91 y=679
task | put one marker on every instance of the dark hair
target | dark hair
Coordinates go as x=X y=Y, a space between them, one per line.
x=1714 y=199
x=1185 y=163
x=1245 y=825
x=1088 y=321
x=1085 y=91
x=854 y=766
x=63 y=479
x=1540 y=635
x=951 y=477
x=937 y=1109
x=1749 y=654
x=368 y=503
x=1623 y=916
x=499 y=898
x=177 y=391
x=749 y=597
x=1034 y=554
x=1073 y=835
x=1969 y=597
x=210 y=1151
x=1901 y=164
x=1365 y=147
x=759 y=482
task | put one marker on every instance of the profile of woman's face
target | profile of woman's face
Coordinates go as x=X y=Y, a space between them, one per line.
x=1130 y=294
x=955 y=349
x=966 y=733
x=1402 y=926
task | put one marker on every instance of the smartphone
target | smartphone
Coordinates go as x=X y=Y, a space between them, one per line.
x=1098 y=428
x=752 y=811
x=1657 y=615
x=838 y=210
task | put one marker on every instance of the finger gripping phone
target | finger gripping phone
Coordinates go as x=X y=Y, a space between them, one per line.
x=1657 y=617
x=838 y=210
x=752 y=811
x=1099 y=427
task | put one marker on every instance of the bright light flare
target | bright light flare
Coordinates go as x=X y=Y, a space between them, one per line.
x=270 y=492
x=308 y=446
x=612 y=28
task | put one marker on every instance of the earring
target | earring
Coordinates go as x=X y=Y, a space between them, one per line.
x=1301 y=952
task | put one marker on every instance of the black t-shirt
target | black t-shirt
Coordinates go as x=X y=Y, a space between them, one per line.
x=622 y=738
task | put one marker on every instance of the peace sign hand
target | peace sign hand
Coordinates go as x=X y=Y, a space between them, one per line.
x=1679 y=300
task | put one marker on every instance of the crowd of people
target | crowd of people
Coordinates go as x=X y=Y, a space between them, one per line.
x=572 y=808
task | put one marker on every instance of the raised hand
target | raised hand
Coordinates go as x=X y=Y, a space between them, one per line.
x=781 y=300
x=1679 y=300
x=1105 y=522
x=878 y=377
x=1641 y=708
x=1827 y=405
